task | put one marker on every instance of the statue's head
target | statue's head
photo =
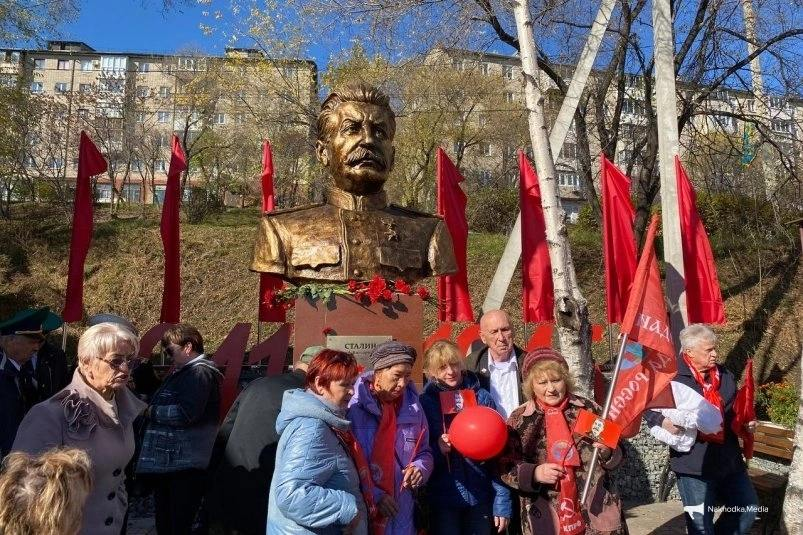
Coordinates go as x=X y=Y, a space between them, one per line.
x=355 y=138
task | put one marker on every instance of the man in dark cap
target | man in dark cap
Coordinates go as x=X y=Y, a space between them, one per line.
x=245 y=452
x=20 y=339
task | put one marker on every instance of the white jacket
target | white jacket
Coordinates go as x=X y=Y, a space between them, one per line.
x=692 y=412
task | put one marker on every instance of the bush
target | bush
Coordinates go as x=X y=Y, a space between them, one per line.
x=492 y=209
x=778 y=402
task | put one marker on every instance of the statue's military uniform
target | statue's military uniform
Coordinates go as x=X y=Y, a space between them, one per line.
x=353 y=237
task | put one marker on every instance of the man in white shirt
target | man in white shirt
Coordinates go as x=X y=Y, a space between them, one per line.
x=496 y=363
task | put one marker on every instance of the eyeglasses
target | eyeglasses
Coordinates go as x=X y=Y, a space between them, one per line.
x=119 y=362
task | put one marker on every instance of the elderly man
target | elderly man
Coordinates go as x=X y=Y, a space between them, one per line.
x=246 y=445
x=496 y=362
x=713 y=471
x=356 y=234
x=21 y=374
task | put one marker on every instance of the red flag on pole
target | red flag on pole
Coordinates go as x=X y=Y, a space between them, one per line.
x=744 y=410
x=536 y=268
x=90 y=163
x=454 y=301
x=649 y=363
x=618 y=245
x=703 y=295
x=269 y=283
x=171 y=293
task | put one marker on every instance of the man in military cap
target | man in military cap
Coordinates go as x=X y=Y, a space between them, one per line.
x=20 y=386
x=356 y=234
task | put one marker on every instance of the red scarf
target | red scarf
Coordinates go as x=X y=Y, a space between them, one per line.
x=383 y=456
x=711 y=395
x=357 y=455
x=561 y=450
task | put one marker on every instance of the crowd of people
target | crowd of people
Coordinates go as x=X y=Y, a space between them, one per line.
x=330 y=448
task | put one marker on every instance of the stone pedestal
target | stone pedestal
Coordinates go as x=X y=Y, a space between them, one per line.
x=402 y=319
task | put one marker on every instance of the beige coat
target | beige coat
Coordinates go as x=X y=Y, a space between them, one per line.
x=79 y=417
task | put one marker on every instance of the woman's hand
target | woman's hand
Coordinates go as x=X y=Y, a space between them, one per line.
x=549 y=473
x=445 y=444
x=501 y=523
x=387 y=506
x=605 y=452
x=751 y=426
x=412 y=477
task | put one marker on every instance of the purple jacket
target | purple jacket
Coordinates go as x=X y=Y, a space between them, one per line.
x=411 y=423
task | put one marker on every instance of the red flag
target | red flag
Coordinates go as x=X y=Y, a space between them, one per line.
x=269 y=284
x=536 y=269
x=702 y=285
x=454 y=301
x=649 y=363
x=618 y=245
x=744 y=410
x=90 y=163
x=171 y=293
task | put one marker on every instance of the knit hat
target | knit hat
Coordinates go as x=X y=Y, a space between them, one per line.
x=310 y=353
x=391 y=353
x=539 y=355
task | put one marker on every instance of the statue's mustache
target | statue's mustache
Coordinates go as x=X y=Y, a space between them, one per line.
x=365 y=154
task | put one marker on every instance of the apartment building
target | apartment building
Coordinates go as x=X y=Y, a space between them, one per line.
x=131 y=104
x=495 y=162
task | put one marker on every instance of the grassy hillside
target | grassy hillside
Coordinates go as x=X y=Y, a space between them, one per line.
x=762 y=283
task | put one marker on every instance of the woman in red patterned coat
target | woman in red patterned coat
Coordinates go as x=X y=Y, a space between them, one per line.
x=548 y=466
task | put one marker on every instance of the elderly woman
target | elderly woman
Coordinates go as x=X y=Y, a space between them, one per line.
x=44 y=495
x=545 y=463
x=471 y=499
x=392 y=431
x=95 y=413
x=316 y=485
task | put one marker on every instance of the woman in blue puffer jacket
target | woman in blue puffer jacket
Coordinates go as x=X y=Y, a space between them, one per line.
x=316 y=484
x=467 y=498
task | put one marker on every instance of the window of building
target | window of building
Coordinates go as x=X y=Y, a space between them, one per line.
x=61 y=87
x=114 y=64
x=63 y=65
x=163 y=116
x=143 y=66
x=8 y=80
x=111 y=85
x=159 y=194
x=131 y=193
x=507 y=72
x=188 y=64
x=485 y=148
x=161 y=140
x=83 y=113
x=289 y=72
x=484 y=176
x=457 y=64
x=719 y=94
x=84 y=88
x=220 y=118
x=485 y=68
x=751 y=105
x=778 y=103
x=459 y=147
x=136 y=165
x=37 y=87
x=569 y=179
x=510 y=96
x=239 y=118
x=141 y=116
x=569 y=150
x=164 y=91
x=86 y=65
x=724 y=121
x=142 y=91
x=632 y=80
x=782 y=127
x=161 y=166
x=14 y=57
x=103 y=193
x=39 y=64
x=632 y=106
x=56 y=163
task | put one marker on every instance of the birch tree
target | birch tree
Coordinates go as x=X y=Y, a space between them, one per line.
x=793 y=503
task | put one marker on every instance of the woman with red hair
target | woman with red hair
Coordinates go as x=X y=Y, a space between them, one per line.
x=316 y=485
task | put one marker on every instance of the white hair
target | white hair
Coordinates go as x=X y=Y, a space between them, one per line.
x=694 y=334
x=102 y=338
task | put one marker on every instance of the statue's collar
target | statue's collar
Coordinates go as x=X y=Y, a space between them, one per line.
x=358 y=203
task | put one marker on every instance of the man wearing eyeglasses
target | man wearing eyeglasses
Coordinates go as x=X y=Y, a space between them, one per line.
x=180 y=431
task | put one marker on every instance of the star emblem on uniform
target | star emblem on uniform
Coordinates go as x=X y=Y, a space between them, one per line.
x=390 y=230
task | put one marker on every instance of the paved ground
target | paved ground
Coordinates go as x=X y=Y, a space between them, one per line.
x=658 y=518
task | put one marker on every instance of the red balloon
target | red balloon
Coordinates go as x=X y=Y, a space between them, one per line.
x=478 y=433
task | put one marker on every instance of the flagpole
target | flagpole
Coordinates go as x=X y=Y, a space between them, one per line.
x=604 y=415
x=64 y=336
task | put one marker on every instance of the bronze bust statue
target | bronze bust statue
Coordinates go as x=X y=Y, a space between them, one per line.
x=355 y=234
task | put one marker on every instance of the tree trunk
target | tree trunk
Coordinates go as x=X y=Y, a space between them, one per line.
x=571 y=309
x=793 y=502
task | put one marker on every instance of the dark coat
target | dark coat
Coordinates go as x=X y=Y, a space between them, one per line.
x=477 y=362
x=461 y=482
x=51 y=376
x=182 y=420
x=707 y=459
x=246 y=447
